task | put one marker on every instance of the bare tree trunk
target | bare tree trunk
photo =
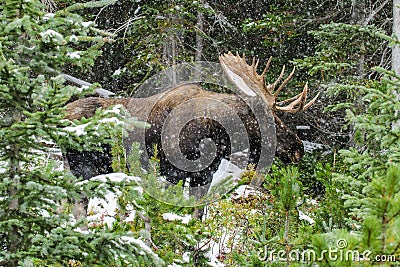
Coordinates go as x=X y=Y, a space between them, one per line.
x=358 y=18
x=396 y=47
x=396 y=33
x=358 y=11
x=199 y=32
x=169 y=52
x=170 y=42
x=199 y=38
x=173 y=56
x=14 y=236
x=14 y=167
x=147 y=227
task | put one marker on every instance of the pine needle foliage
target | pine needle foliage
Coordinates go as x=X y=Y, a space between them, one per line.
x=34 y=48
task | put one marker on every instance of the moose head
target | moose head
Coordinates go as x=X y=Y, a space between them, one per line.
x=289 y=146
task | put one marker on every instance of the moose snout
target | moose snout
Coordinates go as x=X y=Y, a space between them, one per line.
x=289 y=154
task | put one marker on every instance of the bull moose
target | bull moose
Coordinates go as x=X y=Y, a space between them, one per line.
x=289 y=147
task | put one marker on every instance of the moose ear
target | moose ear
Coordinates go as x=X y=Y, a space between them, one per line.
x=238 y=81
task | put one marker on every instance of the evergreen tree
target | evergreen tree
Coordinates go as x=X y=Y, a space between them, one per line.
x=34 y=231
x=371 y=178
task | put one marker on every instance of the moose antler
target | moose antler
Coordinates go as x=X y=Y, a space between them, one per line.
x=245 y=75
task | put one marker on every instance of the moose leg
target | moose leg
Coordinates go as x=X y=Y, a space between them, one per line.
x=87 y=164
x=200 y=181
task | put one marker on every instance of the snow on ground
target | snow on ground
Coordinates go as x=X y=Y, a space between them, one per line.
x=185 y=259
x=211 y=255
x=105 y=210
x=214 y=249
x=234 y=167
x=225 y=169
x=305 y=217
x=244 y=191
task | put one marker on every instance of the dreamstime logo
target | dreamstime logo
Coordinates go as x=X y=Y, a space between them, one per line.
x=337 y=253
x=175 y=117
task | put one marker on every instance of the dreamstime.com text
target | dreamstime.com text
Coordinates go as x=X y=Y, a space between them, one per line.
x=337 y=253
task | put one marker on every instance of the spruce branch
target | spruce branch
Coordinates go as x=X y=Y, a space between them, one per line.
x=95 y=4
